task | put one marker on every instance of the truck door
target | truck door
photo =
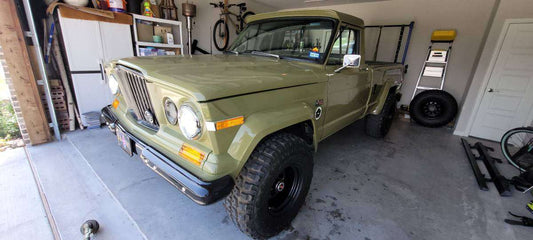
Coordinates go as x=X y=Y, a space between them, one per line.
x=348 y=89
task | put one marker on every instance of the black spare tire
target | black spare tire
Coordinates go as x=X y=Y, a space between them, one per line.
x=433 y=108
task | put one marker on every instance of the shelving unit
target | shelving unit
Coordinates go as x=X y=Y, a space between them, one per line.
x=176 y=31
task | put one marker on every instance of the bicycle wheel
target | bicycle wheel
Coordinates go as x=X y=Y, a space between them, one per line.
x=221 y=35
x=243 y=23
x=517 y=147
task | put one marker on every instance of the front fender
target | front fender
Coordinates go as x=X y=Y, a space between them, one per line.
x=259 y=125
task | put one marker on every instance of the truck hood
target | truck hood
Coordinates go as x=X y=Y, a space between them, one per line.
x=211 y=77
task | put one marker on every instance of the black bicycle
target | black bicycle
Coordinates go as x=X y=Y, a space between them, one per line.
x=221 y=29
x=517 y=147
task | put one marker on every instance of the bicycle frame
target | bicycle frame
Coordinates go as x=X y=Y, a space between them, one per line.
x=225 y=16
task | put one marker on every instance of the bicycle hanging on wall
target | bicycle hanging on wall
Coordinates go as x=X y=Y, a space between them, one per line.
x=221 y=28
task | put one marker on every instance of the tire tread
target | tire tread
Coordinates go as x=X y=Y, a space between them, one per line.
x=240 y=202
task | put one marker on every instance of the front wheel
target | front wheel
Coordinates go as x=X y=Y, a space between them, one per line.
x=517 y=147
x=221 y=35
x=272 y=186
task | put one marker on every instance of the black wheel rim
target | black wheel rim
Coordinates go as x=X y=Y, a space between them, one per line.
x=432 y=109
x=285 y=190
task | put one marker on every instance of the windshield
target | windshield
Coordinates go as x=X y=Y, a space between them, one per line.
x=300 y=39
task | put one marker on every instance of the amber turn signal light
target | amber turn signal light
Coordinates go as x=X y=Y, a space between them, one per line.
x=115 y=103
x=229 y=122
x=191 y=154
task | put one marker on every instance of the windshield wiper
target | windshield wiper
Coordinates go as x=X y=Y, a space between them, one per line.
x=265 y=54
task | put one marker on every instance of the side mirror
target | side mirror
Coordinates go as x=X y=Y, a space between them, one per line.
x=350 y=61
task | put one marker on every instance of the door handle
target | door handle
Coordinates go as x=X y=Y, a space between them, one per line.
x=492 y=90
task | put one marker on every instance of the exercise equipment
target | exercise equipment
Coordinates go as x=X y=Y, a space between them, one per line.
x=501 y=183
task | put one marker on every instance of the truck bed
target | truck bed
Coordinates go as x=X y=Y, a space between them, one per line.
x=382 y=64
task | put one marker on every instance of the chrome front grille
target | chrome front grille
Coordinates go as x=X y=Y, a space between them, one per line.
x=133 y=87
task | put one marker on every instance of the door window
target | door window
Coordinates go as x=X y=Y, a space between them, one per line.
x=347 y=42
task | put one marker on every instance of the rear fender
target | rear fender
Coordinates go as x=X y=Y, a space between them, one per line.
x=382 y=97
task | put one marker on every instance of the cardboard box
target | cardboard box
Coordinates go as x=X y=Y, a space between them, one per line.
x=145 y=32
x=162 y=31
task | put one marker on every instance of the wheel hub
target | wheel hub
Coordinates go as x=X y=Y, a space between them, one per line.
x=432 y=109
x=280 y=185
x=284 y=190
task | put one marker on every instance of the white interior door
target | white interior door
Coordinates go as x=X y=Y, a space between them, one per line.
x=508 y=99
x=82 y=44
x=116 y=41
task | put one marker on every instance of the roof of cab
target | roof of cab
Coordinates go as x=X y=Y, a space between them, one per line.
x=343 y=17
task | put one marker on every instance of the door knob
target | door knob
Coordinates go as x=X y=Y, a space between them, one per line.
x=491 y=90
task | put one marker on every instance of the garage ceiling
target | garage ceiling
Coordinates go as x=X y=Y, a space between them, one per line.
x=284 y=4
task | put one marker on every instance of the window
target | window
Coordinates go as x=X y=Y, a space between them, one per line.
x=346 y=43
x=298 y=39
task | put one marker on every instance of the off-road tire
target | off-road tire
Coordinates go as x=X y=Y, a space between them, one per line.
x=247 y=204
x=447 y=108
x=379 y=125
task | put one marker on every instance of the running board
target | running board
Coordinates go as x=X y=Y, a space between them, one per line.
x=500 y=182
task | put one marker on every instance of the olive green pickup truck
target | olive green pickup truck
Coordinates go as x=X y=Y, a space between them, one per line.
x=244 y=124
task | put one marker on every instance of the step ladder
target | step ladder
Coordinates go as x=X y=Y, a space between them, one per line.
x=436 y=63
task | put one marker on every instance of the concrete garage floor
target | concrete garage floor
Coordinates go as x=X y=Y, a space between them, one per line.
x=415 y=184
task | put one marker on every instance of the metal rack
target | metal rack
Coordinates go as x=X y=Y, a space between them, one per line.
x=176 y=29
x=402 y=27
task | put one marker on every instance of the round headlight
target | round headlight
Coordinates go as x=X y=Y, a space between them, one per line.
x=171 y=112
x=113 y=84
x=189 y=122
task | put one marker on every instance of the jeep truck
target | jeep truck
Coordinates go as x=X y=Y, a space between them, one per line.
x=244 y=124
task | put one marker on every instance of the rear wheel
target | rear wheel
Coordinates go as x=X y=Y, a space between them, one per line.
x=433 y=108
x=379 y=125
x=272 y=186
x=243 y=23
x=221 y=35
x=517 y=147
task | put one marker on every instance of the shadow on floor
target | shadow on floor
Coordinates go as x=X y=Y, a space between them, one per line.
x=414 y=184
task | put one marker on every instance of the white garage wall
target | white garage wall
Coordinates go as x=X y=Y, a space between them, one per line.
x=508 y=9
x=468 y=17
x=207 y=15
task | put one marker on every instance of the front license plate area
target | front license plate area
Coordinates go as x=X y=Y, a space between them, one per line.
x=124 y=141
